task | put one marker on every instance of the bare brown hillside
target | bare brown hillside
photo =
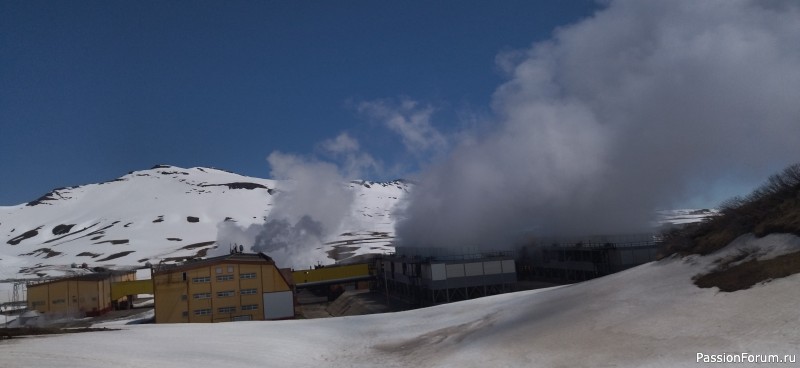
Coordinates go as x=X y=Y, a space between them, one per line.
x=772 y=208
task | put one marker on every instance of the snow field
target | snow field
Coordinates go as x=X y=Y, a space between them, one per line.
x=648 y=316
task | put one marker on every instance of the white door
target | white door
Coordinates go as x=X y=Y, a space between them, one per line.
x=278 y=305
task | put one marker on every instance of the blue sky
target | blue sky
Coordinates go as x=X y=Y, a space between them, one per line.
x=91 y=90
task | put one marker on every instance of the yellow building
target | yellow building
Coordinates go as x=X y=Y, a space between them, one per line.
x=234 y=287
x=325 y=275
x=83 y=295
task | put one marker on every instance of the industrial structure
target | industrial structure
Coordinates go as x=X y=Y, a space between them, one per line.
x=355 y=274
x=85 y=295
x=575 y=259
x=233 y=287
x=333 y=280
x=119 y=289
x=427 y=276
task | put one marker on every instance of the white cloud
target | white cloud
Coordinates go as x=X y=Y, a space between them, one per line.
x=343 y=143
x=410 y=121
x=354 y=163
x=643 y=105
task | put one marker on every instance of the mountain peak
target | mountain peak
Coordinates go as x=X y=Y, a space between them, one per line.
x=167 y=213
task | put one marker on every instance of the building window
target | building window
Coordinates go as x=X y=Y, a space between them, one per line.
x=202 y=312
x=202 y=296
x=184 y=276
x=59 y=301
x=248 y=292
x=223 y=294
x=230 y=269
x=225 y=278
x=250 y=307
x=185 y=314
x=201 y=279
x=227 y=310
x=219 y=270
x=38 y=303
x=183 y=297
x=250 y=275
x=243 y=318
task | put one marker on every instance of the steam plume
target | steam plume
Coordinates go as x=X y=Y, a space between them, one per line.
x=310 y=207
x=642 y=106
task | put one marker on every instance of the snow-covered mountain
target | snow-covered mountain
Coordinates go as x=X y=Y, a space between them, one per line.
x=168 y=213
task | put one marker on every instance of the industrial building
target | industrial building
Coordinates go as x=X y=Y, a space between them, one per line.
x=233 y=287
x=83 y=295
x=575 y=259
x=427 y=276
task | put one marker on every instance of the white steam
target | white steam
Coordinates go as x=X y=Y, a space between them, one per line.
x=307 y=210
x=642 y=106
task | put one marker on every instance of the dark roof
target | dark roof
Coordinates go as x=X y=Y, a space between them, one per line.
x=228 y=258
x=94 y=276
x=286 y=273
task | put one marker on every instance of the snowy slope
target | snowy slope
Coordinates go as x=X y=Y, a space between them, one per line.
x=648 y=316
x=167 y=213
